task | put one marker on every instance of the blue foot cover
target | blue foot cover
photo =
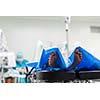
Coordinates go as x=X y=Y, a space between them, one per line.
x=44 y=60
x=89 y=62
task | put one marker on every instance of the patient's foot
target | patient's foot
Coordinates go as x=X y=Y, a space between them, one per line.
x=77 y=56
x=52 y=59
x=77 y=60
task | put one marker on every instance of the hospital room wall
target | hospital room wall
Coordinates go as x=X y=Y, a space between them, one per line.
x=80 y=34
x=23 y=33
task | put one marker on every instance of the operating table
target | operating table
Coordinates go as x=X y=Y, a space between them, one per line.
x=64 y=76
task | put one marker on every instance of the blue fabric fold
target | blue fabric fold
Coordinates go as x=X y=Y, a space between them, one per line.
x=32 y=64
x=44 y=60
x=88 y=62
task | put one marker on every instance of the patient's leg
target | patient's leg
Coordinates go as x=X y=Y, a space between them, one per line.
x=77 y=59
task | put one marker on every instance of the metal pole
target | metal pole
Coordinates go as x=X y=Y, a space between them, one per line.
x=67 y=21
x=67 y=39
x=2 y=74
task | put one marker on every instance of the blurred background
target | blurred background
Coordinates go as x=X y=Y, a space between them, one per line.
x=29 y=34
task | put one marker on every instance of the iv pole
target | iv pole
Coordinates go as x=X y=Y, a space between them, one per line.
x=67 y=20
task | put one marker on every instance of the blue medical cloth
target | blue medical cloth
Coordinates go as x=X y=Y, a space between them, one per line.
x=44 y=60
x=22 y=65
x=88 y=60
x=32 y=64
